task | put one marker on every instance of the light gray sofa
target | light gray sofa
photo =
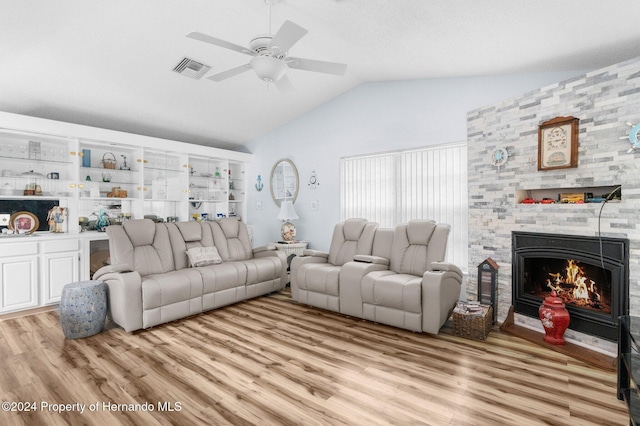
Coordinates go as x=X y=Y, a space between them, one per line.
x=151 y=280
x=401 y=281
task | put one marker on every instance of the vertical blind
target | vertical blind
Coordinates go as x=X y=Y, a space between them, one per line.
x=393 y=188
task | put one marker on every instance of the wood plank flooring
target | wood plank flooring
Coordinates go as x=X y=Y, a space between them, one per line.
x=270 y=361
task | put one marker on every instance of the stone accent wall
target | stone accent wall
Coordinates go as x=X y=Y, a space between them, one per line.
x=604 y=101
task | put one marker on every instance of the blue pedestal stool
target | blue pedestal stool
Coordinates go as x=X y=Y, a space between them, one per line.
x=83 y=308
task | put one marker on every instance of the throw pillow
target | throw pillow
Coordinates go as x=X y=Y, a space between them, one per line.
x=202 y=256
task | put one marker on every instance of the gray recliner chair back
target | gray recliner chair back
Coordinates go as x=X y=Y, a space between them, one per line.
x=143 y=245
x=416 y=245
x=351 y=237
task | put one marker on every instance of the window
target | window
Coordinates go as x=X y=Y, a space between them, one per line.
x=393 y=188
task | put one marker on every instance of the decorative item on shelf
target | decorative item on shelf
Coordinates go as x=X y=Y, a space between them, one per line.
x=124 y=165
x=499 y=157
x=6 y=189
x=231 y=197
x=33 y=178
x=555 y=319
x=287 y=213
x=195 y=204
x=558 y=143
x=35 y=150
x=633 y=137
x=572 y=198
x=86 y=158
x=117 y=192
x=217 y=173
x=23 y=222
x=55 y=219
x=53 y=175
x=108 y=161
x=83 y=223
x=313 y=180
x=103 y=221
x=259 y=184
x=106 y=177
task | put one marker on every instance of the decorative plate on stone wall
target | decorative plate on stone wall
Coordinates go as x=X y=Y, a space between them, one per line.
x=499 y=157
x=634 y=137
x=558 y=143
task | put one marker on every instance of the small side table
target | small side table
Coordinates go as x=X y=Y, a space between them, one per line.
x=83 y=308
x=292 y=248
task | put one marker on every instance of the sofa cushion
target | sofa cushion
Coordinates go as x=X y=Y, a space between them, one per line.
x=187 y=235
x=261 y=269
x=190 y=231
x=222 y=276
x=319 y=278
x=231 y=238
x=397 y=291
x=203 y=256
x=171 y=287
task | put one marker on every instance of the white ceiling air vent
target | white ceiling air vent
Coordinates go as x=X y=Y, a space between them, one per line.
x=191 y=69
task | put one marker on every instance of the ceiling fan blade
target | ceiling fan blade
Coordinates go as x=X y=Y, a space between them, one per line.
x=284 y=85
x=316 y=66
x=222 y=43
x=288 y=35
x=229 y=73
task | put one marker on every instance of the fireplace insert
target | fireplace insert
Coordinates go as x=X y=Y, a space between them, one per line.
x=590 y=274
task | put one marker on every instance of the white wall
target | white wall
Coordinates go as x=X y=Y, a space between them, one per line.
x=373 y=117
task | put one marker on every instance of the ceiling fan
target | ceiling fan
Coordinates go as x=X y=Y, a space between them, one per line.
x=270 y=55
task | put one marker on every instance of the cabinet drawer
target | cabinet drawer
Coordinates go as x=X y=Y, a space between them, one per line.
x=18 y=249
x=60 y=246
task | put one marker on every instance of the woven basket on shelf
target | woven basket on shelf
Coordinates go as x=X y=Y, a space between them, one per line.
x=108 y=161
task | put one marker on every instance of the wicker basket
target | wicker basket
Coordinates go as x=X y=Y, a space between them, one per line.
x=475 y=327
x=108 y=160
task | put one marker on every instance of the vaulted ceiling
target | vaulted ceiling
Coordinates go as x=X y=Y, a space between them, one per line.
x=109 y=63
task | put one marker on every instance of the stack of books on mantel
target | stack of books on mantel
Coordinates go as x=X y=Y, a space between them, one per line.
x=470 y=308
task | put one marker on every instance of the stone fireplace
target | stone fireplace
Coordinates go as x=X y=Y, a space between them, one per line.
x=604 y=100
x=590 y=275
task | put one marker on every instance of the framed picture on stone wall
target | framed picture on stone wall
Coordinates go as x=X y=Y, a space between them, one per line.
x=558 y=143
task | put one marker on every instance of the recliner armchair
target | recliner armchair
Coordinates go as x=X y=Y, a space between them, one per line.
x=418 y=291
x=315 y=276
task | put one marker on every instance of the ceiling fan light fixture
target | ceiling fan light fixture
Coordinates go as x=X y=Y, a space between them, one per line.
x=267 y=68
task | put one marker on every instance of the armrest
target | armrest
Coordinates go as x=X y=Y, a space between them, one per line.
x=364 y=258
x=444 y=266
x=315 y=253
x=274 y=253
x=297 y=262
x=124 y=295
x=350 y=281
x=440 y=292
x=111 y=269
x=268 y=247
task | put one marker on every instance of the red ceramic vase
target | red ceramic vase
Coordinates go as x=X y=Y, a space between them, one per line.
x=555 y=319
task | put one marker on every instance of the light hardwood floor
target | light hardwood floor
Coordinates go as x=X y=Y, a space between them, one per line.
x=271 y=361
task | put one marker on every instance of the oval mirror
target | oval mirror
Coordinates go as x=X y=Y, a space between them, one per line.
x=284 y=181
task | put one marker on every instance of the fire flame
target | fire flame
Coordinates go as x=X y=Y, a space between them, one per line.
x=574 y=286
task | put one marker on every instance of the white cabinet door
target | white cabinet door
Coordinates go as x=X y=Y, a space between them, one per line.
x=60 y=266
x=59 y=269
x=18 y=283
